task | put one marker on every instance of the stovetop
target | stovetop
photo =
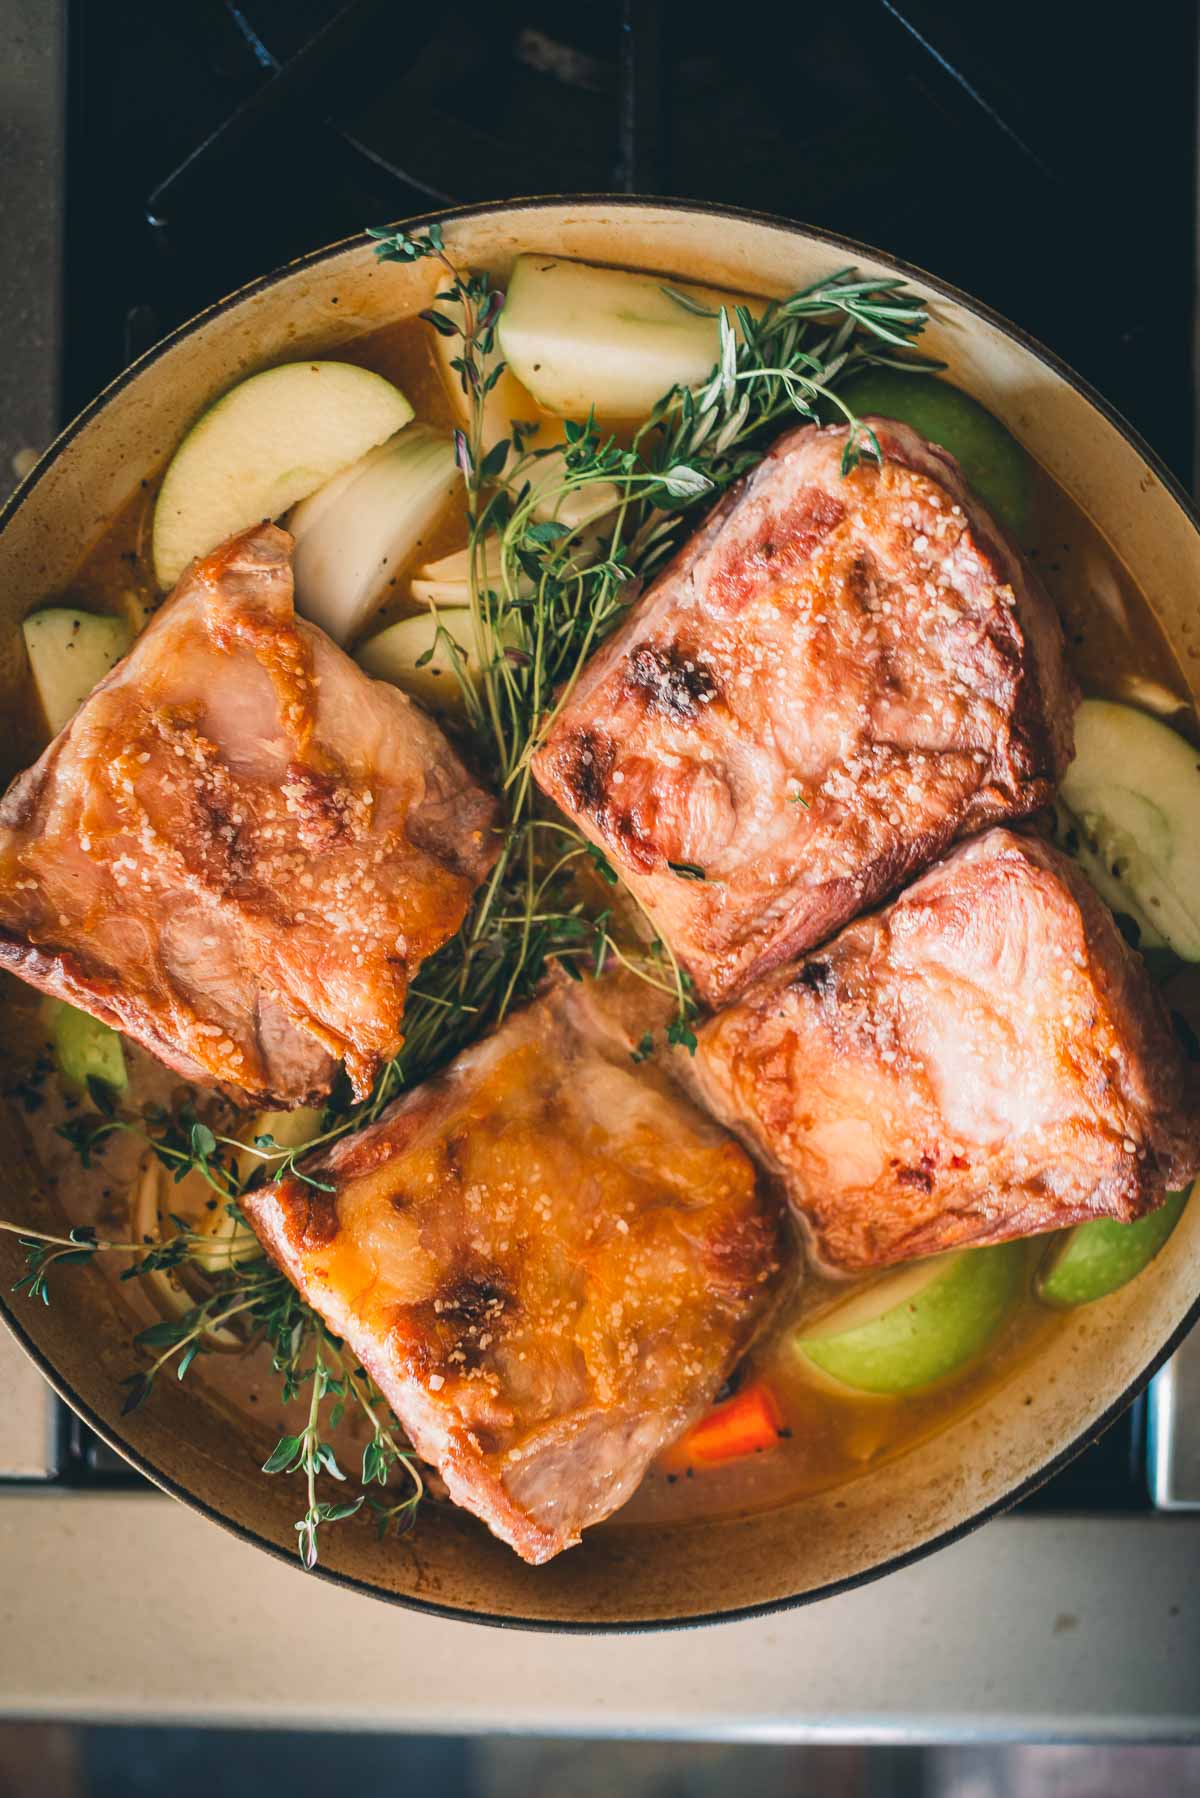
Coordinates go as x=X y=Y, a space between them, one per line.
x=1047 y=170
x=1043 y=168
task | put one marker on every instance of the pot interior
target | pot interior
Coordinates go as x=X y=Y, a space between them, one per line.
x=623 y=1574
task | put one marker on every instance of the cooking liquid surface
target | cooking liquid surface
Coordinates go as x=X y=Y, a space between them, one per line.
x=828 y=1436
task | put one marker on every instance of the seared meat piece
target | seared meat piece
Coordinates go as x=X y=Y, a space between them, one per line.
x=983 y=1059
x=240 y=847
x=546 y=1259
x=835 y=678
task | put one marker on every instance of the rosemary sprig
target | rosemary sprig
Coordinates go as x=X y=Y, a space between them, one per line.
x=787 y=361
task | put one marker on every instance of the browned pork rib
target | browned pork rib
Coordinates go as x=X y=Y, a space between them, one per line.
x=546 y=1259
x=983 y=1059
x=240 y=847
x=835 y=678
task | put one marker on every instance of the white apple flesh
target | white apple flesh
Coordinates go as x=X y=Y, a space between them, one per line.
x=270 y=441
x=580 y=337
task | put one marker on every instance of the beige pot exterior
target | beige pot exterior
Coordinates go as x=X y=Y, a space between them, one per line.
x=622 y=1574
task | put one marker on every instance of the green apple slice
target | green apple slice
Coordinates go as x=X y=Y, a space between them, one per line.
x=85 y=1049
x=916 y=1325
x=1133 y=791
x=993 y=462
x=580 y=337
x=69 y=653
x=1092 y=1260
x=1096 y=855
x=272 y=440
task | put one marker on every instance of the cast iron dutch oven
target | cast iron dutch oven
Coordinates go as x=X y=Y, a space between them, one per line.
x=623 y=1575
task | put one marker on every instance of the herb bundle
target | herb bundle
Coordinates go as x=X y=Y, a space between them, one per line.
x=575 y=531
x=561 y=541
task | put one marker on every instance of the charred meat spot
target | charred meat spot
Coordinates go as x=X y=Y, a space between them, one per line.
x=637 y=846
x=817 y=977
x=230 y=855
x=860 y=582
x=466 y=1318
x=587 y=758
x=810 y=520
x=309 y=1218
x=919 y=1177
x=670 y=682
x=472 y=1301
x=738 y=1255
x=415 y=1353
x=318 y=804
x=453 y=1152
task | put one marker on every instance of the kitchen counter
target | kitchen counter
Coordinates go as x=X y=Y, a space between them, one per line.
x=132 y=1608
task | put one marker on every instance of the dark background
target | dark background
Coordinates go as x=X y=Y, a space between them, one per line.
x=56 y=1762
x=1040 y=155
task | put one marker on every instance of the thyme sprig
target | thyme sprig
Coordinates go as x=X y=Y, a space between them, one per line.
x=334 y=1373
x=272 y=1311
x=253 y=1288
x=44 y=1250
x=309 y=1454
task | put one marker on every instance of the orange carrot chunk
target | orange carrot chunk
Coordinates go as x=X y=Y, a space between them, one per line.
x=744 y=1424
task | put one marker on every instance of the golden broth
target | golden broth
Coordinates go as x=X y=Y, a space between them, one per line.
x=828 y=1437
